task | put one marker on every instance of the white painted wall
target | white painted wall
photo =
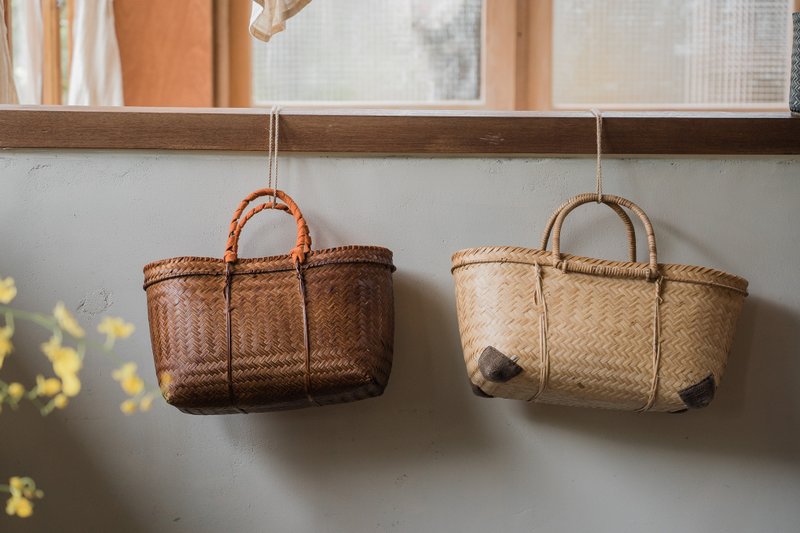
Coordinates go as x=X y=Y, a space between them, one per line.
x=428 y=455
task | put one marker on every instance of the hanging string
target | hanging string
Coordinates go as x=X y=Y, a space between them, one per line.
x=275 y=143
x=598 y=175
x=269 y=147
x=272 y=149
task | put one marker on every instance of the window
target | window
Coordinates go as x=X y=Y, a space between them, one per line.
x=671 y=53
x=534 y=54
x=406 y=51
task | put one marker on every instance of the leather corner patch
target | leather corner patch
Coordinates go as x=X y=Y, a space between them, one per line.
x=496 y=366
x=700 y=394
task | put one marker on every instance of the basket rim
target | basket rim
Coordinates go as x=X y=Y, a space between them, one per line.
x=532 y=256
x=184 y=266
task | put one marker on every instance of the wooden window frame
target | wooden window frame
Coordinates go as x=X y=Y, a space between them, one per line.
x=401 y=132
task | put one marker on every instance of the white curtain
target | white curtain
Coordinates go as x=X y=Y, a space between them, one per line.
x=8 y=91
x=96 y=74
x=28 y=40
x=269 y=16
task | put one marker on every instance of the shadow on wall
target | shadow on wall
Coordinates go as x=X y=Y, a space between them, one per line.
x=415 y=425
x=755 y=411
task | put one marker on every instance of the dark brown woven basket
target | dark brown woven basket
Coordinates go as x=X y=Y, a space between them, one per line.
x=249 y=335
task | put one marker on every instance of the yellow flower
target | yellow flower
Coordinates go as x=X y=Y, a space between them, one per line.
x=163 y=384
x=20 y=506
x=66 y=363
x=67 y=322
x=16 y=391
x=115 y=328
x=16 y=483
x=70 y=384
x=128 y=369
x=49 y=348
x=8 y=290
x=60 y=401
x=128 y=407
x=131 y=383
x=5 y=344
x=65 y=359
x=146 y=403
x=47 y=387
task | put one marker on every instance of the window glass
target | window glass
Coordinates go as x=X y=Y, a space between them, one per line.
x=404 y=51
x=692 y=53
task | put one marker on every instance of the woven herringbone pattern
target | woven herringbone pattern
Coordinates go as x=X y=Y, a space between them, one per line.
x=348 y=304
x=351 y=329
x=599 y=328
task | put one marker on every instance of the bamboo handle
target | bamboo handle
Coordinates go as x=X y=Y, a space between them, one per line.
x=629 y=229
x=649 y=273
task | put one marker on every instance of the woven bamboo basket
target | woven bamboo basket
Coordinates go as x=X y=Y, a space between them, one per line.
x=550 y=327
x=247 y=335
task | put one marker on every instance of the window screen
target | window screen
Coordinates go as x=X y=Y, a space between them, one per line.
x=693 y=53
x=405 y=51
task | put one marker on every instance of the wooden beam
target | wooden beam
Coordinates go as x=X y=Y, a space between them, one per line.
x=500 y=40
x=167 y=52
x=222 y=46
x=539 y=46
x=51 y=75
x=240 y=62
x=400 y=132
x=522 y=54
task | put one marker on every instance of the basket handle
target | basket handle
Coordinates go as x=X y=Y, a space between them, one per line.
x=303 y=244
x=629 y=229
x=650 y=273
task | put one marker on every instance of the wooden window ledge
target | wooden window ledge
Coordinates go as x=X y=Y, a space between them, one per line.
x=357 y=131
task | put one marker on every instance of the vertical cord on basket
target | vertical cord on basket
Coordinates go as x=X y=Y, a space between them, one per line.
x=651 y=398
x=228 y=329
x=306 y=338
x=598 y=173
x=544 y=368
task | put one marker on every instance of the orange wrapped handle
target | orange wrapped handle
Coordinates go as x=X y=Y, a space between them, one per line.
x=303 y=244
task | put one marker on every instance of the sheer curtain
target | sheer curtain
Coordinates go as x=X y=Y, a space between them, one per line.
x=269 y=16
x=8 y=91
x=96 y=74
x=26 y=19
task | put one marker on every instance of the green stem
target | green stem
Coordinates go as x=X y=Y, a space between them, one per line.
x=10 y=321
x=45 y=322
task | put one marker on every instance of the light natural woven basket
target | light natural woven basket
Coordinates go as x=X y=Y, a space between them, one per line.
x=550 y=327
x=282 y=332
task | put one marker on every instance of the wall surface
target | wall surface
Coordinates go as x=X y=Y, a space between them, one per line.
x=428 y=455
